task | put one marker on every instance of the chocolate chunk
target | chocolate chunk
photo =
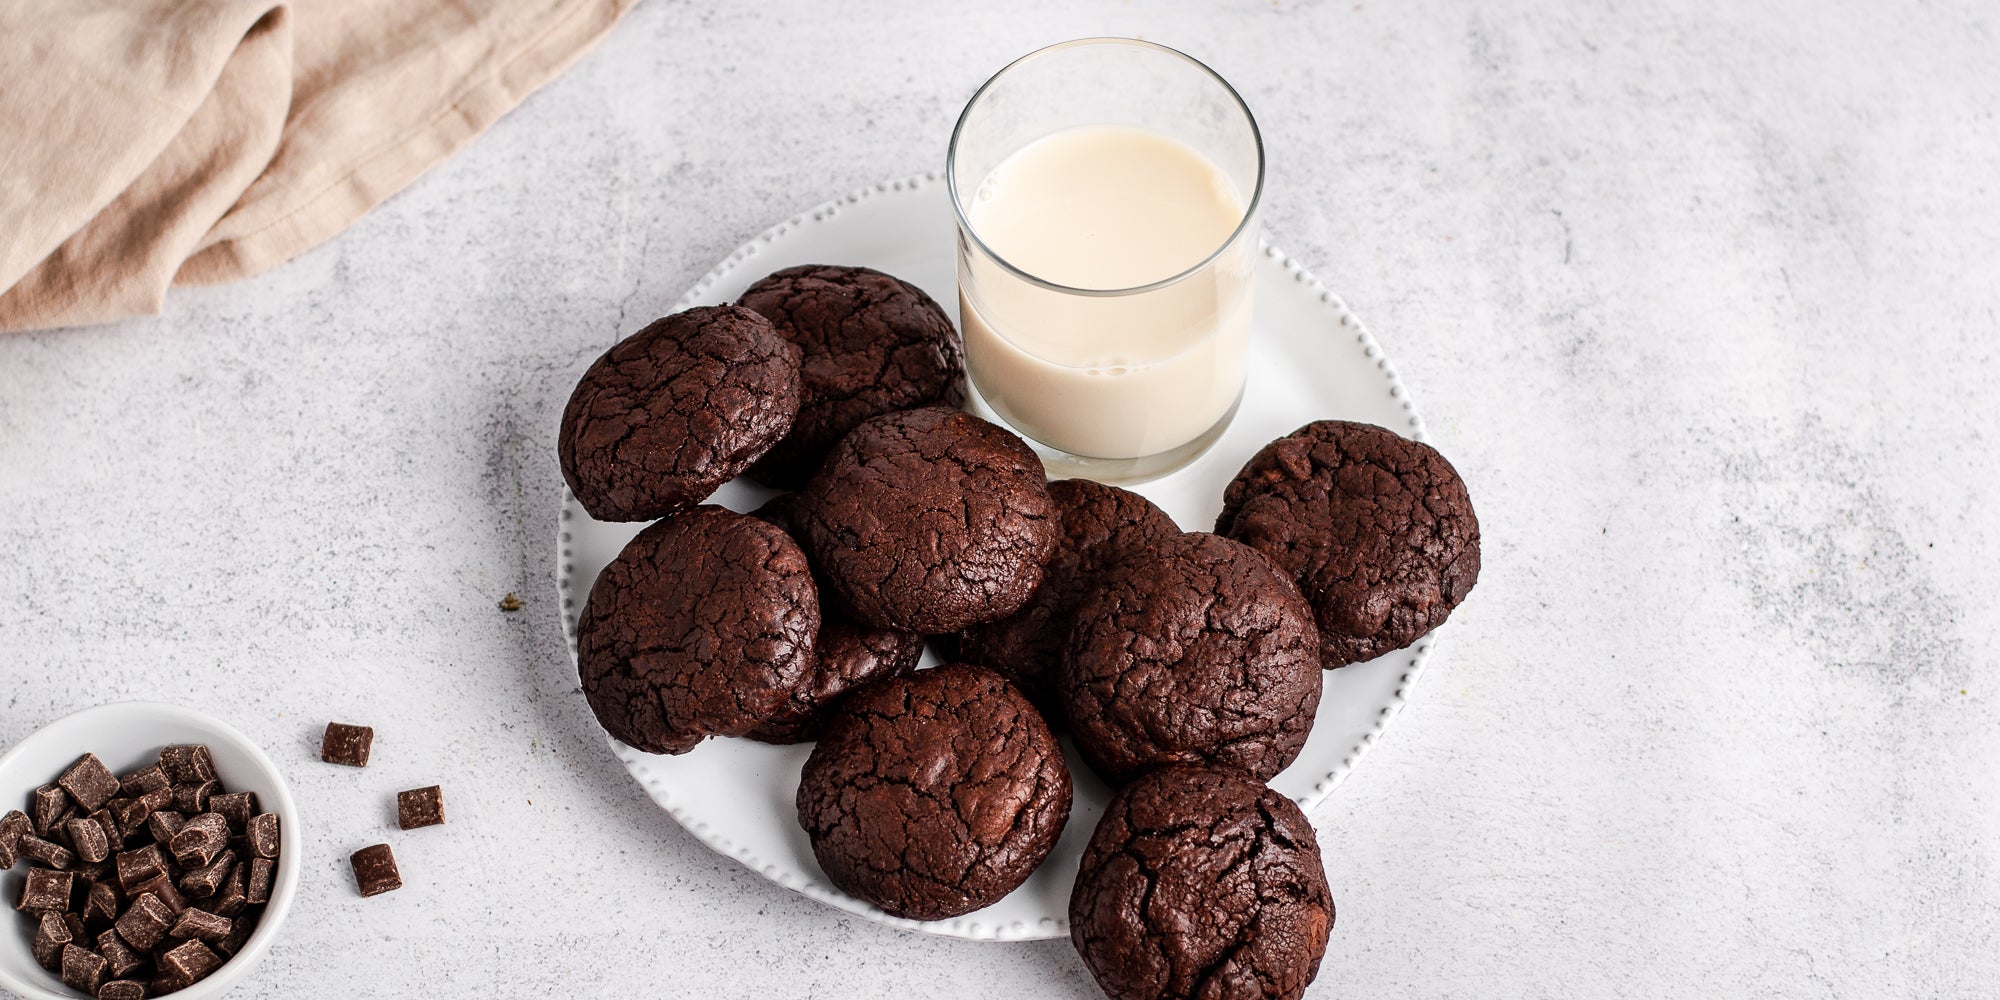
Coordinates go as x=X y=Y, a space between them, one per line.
x=165 y=982
x=137 y=865
x=233 y=896
x=87 y=839
x=12 y=827
x=101 y=903
x=122 y=989
x=47 y=852
x=204 y=881
x=236 y=807
x=159 y=798
x=121 y=956
x=375 y=870
x=192 y=799
x=46 y=889
x=130 y=814
x=345 y=744
x=199 y=923
x=51 y=935
x=146 y=922
x=262 y=872
x=161 y=886
x=115 y=836
x=420 y=807
x=83 y=969
x=262 y=835
x=89 y=782
x=164 y=824
x=239 y=935
x=190 y=961
x=188 y=764
x=51 y=806
x=200 y=839
x=150 y=778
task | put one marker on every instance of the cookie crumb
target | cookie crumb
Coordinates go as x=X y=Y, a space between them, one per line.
x=510 y=603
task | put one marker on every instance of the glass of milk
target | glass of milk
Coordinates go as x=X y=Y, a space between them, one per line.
x=1107 y=193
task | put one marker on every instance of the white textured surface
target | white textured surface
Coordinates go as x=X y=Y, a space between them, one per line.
x=1700 y=298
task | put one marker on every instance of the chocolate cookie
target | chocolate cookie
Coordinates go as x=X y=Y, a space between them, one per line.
x=703 y=626
x=1194 y=651
x=930 y=521
x=676 y=410
x=1200 y=882
x=1377 y=530
x=935 y=794
x=846 y=655
x=1100 y=525
x=873 y=344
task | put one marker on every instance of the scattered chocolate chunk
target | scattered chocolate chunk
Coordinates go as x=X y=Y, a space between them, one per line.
x=190 y=960
x=163 y=824
x=47 y=852
x=145 y=923
x=87 y=839
x=262 y=835
x=89 y=783
x=192 y=799
x=122 y=989
x=115 y=951
x=150 y=778
x=262 y=872
x=137 y=865
x=200 y=839
x=83 y=969
x=203 y=882
x=51 y=805
x=233 y=896
x=187 y=764
x=345 y=744
x=236 y=807
x=162 y=887
x=46 y=889
x=51 y=934
x=375 y=870
x=101 y=903
x=201 y=924
x=420 y=807
x=13 y=827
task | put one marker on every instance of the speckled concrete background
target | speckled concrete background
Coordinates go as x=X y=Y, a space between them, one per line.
x=1700 y=297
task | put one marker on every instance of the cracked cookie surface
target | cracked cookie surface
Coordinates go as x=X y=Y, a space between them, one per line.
x=1201 y=883
x=676 y=410
x=1194 y=651
x=702 y=626
x=846 y=654
x=872 y=344
x=935 y=794
x=1376 y=529
x=929 y=521
x=1100 y=526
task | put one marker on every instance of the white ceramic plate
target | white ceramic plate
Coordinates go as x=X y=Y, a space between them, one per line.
x=1310 y=360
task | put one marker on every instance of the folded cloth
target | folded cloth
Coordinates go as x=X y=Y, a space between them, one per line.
x=149 y=142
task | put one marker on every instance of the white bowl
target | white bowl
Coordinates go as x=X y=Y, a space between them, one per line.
x=127 y=736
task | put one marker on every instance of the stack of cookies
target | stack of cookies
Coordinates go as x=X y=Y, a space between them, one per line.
x=1186 y=666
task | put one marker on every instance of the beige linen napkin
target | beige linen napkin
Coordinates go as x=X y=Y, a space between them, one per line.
x=148 y=142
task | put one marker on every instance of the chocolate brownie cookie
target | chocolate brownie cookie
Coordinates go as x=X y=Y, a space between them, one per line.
x=1194 y=651
x=846 y=655
x=1376 y=529
x=1201 y=882
x=703 y=626
x=873 y=344
x=930 y=521
x=935 y=794
x=676 y=410
x=1100 y=525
